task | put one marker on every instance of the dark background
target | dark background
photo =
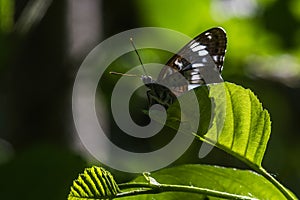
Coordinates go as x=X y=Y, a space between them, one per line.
x=42 y=49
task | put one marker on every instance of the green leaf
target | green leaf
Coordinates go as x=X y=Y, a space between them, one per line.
x=231 y=118
x=241 y=182
x=246 y=125
x=94 y=183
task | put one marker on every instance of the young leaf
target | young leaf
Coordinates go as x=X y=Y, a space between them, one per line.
x=94 y=183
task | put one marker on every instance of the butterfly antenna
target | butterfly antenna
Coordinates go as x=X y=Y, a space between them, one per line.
x=137 y=53
x=122 y=74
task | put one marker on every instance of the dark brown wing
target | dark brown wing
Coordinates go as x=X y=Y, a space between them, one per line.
x=200 y=61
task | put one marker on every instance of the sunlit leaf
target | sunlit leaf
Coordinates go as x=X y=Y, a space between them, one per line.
x=246 y=126
x=232 y=119
x=230 y=180
x=94 y=183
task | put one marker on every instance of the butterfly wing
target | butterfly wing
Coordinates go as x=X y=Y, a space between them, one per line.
x=199 y=62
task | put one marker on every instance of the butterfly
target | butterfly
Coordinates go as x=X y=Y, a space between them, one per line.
x=199 y=62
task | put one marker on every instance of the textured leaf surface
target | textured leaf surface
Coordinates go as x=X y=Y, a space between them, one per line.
x=230 y=180
x=231 y=118
x=94 y=183
x=246 y=126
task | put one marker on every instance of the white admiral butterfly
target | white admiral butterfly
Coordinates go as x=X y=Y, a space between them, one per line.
x=199 y=62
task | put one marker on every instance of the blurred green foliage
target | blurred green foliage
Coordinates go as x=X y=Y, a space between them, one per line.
x=6 y=15
x=43 y=171
x=36 y=80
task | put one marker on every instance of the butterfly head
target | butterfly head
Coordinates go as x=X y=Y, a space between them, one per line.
x=147 y=79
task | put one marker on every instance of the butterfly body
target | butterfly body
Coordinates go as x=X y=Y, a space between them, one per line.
x=158 y=94
x=199 y=62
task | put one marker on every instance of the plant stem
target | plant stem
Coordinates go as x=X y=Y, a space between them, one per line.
x=260 y=170
x=148 y=188
x=276 y=183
